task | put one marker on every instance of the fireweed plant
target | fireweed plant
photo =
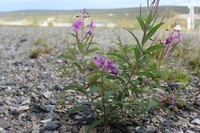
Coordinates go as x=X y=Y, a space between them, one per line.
x=119 y=85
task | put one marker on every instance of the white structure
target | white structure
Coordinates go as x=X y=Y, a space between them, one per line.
x=191 y=21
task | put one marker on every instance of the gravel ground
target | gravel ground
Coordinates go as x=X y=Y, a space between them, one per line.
x=30 y=88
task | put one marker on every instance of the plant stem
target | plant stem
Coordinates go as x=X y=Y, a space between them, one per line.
x=103 y=99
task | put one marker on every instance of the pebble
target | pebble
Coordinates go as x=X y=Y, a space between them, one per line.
x=196 y=121
x=48 y=94
x=46 y=121
x=4 y=124
x=52 y=126
x=23 y=108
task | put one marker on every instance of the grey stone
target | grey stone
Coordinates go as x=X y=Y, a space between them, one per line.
x=52 y=126
x=196 y=121
x=4 y=124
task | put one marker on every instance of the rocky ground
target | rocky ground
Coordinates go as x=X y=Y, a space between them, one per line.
x=31 y=88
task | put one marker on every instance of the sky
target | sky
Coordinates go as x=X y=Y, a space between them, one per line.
x=15 y=5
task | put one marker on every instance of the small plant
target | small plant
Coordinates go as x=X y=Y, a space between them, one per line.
x=194 y=59
x=40 y=47
x=119 y=85
x=39 y=41
x=35 y=53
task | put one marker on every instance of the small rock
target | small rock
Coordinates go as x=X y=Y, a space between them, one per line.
x=10 y=83
x=183 y=120
x=84 y=130
x=78 y=117
x=189 y=131
x=151 y=129
x=157 y=119
x=26 y=102
x=130 y=128
x=38 y=108
x=23 y=108
x=23 y=40
x=24 y=87
x=196 y=121
x=17 y=63
x=52 y=126
x=46 y=121
x=48 y=94
x=1 y=129
x=184 y=114
x=4 y=124
x=57 y=87
x=140 y=130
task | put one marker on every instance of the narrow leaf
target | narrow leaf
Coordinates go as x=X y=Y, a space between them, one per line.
x=137 y=54
x=78 y=66
x=141 y=21
x=94 y=124
x=151 y=104
x=80 y=47
x=94 y=89
x=153 y=48
x=77 y=109
x=136 y=39
x=152 y=31
x=116 y=77
x=121 y=58
x=91 y=51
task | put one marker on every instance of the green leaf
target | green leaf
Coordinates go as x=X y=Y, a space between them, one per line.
x=94 y=89
x=77 y=109
x=141 y=21
x=136 y=39
x=154 y=68
x=74 y=35
x=151 y=104
x=94 y=124
x=140 y=62
x=91 y=51
x=116 y=77
x=149 y=18
x=108 y=94
x=67 y=57
x=113 y=115
x=78 y=66
x=80 y=47
x=75 y=87
x=153 y=48
x=145 y=73
x=121 y=58
x=152 y=31
x=137 y=53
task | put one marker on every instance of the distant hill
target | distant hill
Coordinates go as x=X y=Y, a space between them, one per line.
x=93 y=12
x=121 y=16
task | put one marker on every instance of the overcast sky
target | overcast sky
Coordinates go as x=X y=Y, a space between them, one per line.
x=14 y=5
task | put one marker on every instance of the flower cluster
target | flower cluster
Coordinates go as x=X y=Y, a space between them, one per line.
x=106 y=65
x=169 y=41
x=90 y=32
x=177 y=28
x=78 y=25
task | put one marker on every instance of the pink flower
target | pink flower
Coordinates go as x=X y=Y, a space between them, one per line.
x=114 y=71
x=173 y=99
x=106 y=65
x=90 y=32
x=110 y=64
x=180 y=38
x=77 y=25
x=90 y=69
x=100 y=61
x=169 y=39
